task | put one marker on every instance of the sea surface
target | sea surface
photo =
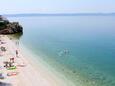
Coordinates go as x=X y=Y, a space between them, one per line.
x=82 y=48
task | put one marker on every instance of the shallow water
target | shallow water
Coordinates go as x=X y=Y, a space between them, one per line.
x=80 y=47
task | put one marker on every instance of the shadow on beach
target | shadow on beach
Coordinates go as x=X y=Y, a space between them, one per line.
x=15 y=36
x=5 y=84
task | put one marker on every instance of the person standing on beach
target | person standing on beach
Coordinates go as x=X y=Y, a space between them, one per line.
x=12 y=60
x=16 y=53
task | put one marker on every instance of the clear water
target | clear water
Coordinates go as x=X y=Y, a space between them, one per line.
x=80 y=47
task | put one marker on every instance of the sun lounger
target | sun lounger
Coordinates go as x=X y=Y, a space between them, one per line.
x=12 y=73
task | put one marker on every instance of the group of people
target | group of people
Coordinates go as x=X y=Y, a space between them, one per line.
x=63 y=52
x=9 y=64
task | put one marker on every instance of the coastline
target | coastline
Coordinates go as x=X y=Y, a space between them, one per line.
x=34 y=73
x=42 y=67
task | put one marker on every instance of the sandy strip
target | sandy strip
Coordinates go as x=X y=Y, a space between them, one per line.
x=30 y=74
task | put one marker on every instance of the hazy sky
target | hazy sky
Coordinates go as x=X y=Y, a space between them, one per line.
x=56 y=6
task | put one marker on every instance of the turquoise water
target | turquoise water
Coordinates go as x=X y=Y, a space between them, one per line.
x=80 y=47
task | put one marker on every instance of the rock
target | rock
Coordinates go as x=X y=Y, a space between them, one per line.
x=7 y=27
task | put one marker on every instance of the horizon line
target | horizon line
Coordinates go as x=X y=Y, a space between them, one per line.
x=56 y=14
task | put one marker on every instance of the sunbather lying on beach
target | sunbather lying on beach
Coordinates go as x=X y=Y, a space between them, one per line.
x=8 y=64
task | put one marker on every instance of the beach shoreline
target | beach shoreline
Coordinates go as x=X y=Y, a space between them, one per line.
x=32 y=75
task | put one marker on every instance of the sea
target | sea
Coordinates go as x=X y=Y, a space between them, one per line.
x=81 y=47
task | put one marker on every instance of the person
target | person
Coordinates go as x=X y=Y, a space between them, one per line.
x=10 y=64
x=12 y=60
x=64 y=52
x=16 y=53
x=6 y=64
x=17 y=43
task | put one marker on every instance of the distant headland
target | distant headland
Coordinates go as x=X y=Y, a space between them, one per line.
x=7 y=27
x=58 y=14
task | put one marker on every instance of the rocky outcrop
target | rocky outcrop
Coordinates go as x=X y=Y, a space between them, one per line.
x=7 y=27
x=12 y=28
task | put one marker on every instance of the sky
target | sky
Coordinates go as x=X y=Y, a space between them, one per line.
x=56 y=6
